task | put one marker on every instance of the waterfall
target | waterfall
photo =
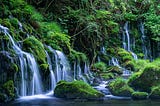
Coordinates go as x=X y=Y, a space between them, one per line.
x=28 y=85
x=62 y=67
x=114 y=62
x=146 y=50
x=127 y=42
x=52 y=75
x=78 y=72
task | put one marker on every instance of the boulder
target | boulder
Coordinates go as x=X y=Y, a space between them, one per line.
x=76 y=90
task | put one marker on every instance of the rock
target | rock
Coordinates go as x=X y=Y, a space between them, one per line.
x=155 y=93
x=76 y=90
x=119 y=87
x=144 y=80
x=139 y=95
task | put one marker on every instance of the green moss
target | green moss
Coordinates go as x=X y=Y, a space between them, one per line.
x=115 y=69
x=33 y=45
x=139 y=95
x=50 y=26
x=119 y=87
x=9 y=88
x=3 y=97
x=58 y=41
x=107 y=76
x=150 y=74
x=77 y=56
x=76 y=90
x=44 y=67
x=130 y=65
x=155 y=92
x=99 y=67
x=14 y=22
x=130 y=16
x=14 y=67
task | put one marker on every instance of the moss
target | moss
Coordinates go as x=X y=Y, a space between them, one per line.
x=130 y=16
x=155 y=92
x=3 y=97
x=77 y=56
x=9 y=88
x=14 y=67
x=44 y=67
x=50 y=26
x=119 y=87
x=99 y=67
x=33 y=45
x=14 y=22
x=76 y=90
x=139 y=95
x=58 y=41
x=150 y=74
x=115 y=69
x=127 y=58
x=130 y=65
x=107 y=76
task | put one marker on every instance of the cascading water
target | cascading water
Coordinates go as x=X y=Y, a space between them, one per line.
x=146 y=49
x=28 y=66
x=127 y=42
x=78 y=72
x=114 y=62
x=52 y=76
x=87 y=71
x=62 y=67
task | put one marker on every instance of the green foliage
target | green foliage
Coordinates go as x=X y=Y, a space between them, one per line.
x=33 y=45
x=58 y=41
x=50 y=26
x=115 y=69
x=100 y=67
x=139 y=95
x=130 y=17
x=76 y=90
x=130 y=65
x=150 y=74
x=44 y=67
x=9 y=88
x=119 y=87
x=155 y=92
x=77 y=56
x=107 y=76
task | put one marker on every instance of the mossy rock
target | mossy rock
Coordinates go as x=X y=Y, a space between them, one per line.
x=3 y=97
x=99 y=67
x=119 y=87
x=129 y=65
x=33 y=45
x=8 y=87
x=146 y=79
x=76 y=90
x=77 y=56
x=139 y=95
x=155 y=93
x=58 y=41
x=107 y=76
x=115 y=69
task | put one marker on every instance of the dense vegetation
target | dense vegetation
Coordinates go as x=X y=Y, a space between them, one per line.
x=85 y=30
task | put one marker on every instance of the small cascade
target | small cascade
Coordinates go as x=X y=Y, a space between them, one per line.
x=52 y=76
x=30 y=83
x=62 y=67
x=78 y=72
x=146 y=50
x=20 y=26
x=127 y=41
x=114 y=62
